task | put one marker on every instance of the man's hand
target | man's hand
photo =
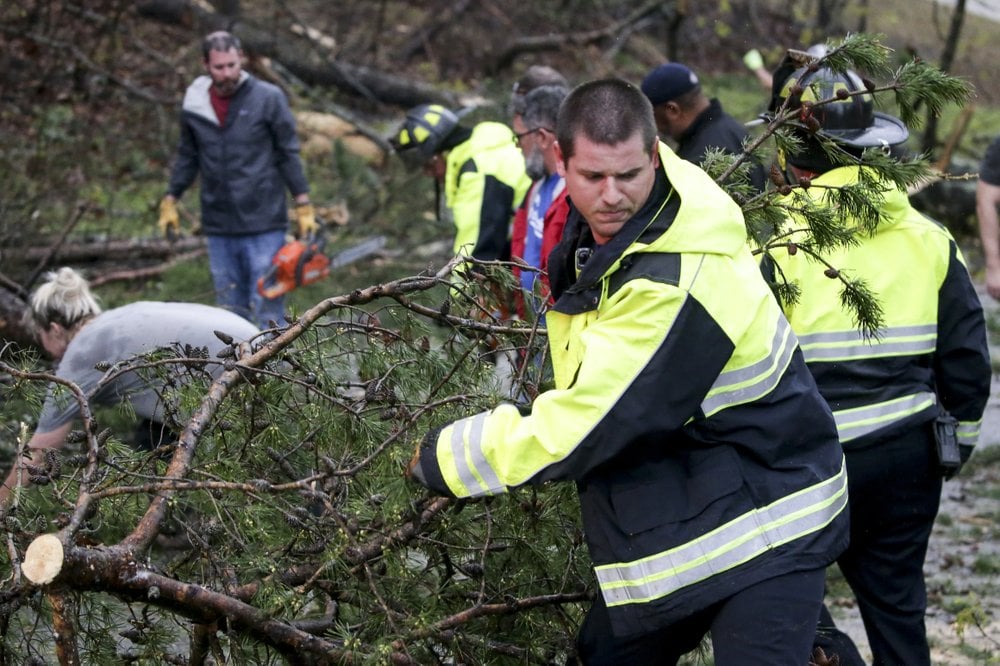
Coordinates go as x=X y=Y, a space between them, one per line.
x=993 y=281
x=305 y=218
x=169 y=222
x=413 y=470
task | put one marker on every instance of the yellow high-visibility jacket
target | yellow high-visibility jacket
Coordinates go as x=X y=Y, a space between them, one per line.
x=484 y=183
x=706 y=460
x=932 y=351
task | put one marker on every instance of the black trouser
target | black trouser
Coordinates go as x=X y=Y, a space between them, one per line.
x=895 y=489
x=771 y=623
x=833 y=641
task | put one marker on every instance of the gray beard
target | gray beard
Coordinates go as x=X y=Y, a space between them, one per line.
x=534 y=165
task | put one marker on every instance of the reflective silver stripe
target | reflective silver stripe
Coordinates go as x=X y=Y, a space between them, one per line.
x=739 y=541
x=470 y=462
x=763 y=375
x=968 y=432
x=859 y=421
x=893 y=341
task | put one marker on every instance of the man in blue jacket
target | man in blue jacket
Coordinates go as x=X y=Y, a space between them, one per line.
x=239 y=134
x=711 y=483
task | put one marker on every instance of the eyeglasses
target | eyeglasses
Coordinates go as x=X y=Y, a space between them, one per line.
x=517 y=137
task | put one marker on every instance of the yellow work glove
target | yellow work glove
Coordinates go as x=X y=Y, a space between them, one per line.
x=305 y=218
x=169 y=223
x=753 y=59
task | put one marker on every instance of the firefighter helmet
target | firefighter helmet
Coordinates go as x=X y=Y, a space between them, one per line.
x=422 y=133
x=850 y=120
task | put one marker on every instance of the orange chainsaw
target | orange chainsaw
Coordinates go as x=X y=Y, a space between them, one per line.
x=302 y=261
x=298 y=262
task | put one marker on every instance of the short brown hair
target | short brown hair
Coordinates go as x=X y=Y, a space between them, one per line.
x=220 y=41
x=606 y=111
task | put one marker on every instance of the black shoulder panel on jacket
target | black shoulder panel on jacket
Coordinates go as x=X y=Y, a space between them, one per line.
x=494 y=221
x=656 y=266
x=469 y=166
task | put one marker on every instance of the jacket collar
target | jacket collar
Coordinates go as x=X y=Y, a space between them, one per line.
x=711 y=112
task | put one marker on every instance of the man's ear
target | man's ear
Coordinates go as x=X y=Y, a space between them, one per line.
x=656 y=152
x=560 y=164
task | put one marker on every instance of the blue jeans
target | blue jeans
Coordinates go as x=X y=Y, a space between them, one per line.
x=236 y=263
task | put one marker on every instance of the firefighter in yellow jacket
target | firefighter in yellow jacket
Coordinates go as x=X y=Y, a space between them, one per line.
x=711 y=483
x=887 y=392
x=482 y=171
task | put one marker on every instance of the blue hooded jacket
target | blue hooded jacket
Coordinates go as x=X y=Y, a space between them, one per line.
x=245 y=164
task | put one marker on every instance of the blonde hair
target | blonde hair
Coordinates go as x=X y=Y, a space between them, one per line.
x=64 y=299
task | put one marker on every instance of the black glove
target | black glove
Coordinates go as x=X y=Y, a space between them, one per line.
x=413 y=469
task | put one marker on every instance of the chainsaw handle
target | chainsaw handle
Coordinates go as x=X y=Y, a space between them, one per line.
x=273 y=291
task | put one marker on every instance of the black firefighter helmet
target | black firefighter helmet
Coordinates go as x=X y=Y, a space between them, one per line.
x=849 y=120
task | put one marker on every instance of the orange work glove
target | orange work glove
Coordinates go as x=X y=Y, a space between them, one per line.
x=169 y=223
x=305 y=219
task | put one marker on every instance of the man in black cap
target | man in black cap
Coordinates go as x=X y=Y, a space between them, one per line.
x=684 y=113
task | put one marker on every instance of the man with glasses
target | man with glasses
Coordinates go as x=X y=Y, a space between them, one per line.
x=539 y=222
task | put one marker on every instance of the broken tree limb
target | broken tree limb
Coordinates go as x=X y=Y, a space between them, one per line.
x=113 y=250
x=147 y=272
x=556 y=41
x=43 y=560
x=957 y=131
x=64 y=626
x=46 y=259
x=438 y=21
x=297 y=54
x=117 y=571
x=14 y=326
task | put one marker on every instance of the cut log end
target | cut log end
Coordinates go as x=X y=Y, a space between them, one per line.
x=43 y=560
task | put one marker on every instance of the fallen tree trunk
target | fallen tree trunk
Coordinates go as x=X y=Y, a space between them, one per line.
x=116 y=570
x=112 y=250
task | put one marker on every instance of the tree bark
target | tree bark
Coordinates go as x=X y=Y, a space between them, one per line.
x=947 y=58
x=116 y=570
x=64 y=627
x=14 y=328
x=113 y=250
x=440 y=20
x=554 y=42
